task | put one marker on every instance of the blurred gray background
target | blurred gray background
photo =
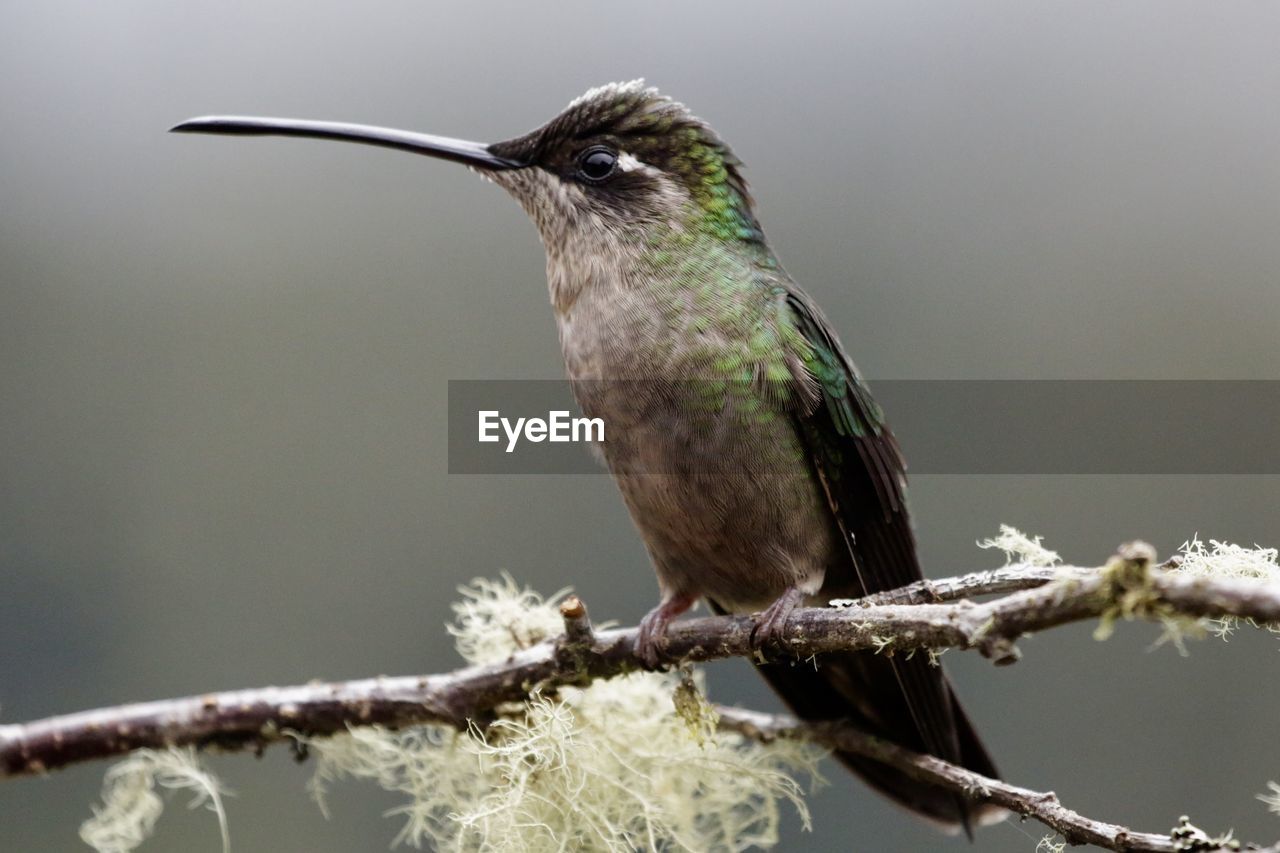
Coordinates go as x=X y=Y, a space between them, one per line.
x=223 y=362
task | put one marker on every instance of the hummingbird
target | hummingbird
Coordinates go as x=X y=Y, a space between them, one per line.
x=754 y=462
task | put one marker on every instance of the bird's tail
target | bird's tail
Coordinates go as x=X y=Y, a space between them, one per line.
x=863 y=688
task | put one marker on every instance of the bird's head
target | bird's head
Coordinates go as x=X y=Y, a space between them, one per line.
x=622 y=154
x=619 y=158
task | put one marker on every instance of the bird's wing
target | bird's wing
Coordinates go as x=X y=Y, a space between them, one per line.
x=861 y=468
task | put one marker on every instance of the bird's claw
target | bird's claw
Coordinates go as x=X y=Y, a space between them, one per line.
x=770 y=628
x=651 y=639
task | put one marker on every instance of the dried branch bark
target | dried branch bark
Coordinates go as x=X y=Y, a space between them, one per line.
x=925 y=615
x=1044 y=806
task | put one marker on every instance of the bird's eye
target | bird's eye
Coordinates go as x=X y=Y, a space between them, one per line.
x=596 y=164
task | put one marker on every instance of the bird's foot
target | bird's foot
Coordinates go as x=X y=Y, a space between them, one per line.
x=651 y=638
x=767 y=635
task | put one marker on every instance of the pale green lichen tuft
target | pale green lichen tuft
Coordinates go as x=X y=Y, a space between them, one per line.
x=614 y=769
x=691 y=706
x=1175 y=629
x=1224 y=560
x=131 y=804
x=1052 y=843
x=883 y=643
x=1272 y=800
x=1020 y=549
x=1130 y=592
x=629 y=763
x=496 y=618
x=1189 y=838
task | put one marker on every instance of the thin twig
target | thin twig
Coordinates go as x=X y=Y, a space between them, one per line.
x=1045 y=807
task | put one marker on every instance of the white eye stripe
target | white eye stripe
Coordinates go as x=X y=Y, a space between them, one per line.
x=628 y=163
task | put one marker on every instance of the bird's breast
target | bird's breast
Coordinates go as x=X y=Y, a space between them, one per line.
x=708 y=459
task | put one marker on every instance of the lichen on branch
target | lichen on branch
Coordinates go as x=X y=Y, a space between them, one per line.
x=549 y=700
x=634 y=762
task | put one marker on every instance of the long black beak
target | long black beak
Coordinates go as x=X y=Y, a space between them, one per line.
x=458 y=150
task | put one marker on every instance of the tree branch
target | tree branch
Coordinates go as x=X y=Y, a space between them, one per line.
x=1034 y=598
x=1045 y=807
